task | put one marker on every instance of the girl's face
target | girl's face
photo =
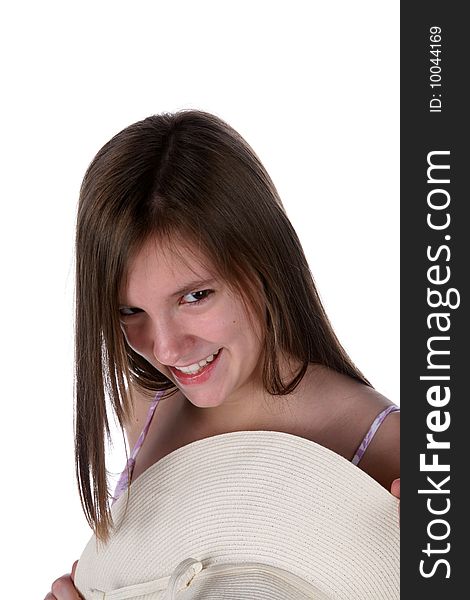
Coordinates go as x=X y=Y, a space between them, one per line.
x=190 y=326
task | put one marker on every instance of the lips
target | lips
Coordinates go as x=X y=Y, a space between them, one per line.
x=199 y=377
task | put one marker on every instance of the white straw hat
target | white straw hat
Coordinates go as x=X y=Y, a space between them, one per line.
x=248 y=515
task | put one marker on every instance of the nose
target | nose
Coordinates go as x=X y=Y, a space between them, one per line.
x=170 y=342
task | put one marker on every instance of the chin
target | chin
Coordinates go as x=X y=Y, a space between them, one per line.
x=203 y=400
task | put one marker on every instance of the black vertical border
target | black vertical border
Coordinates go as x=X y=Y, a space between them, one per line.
x=422 y=132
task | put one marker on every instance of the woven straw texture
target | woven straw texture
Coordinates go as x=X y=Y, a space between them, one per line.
x=252 y=515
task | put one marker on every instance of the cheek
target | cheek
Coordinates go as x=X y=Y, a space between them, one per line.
x=136 y=339
x=245 y=331
x=143 y=347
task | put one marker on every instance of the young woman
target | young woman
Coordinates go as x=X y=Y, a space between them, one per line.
x=193 y=291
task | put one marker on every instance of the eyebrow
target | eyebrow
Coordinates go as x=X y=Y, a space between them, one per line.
x=192 y=286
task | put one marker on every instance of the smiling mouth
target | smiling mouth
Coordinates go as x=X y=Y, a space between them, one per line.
x=196 y=371
x=197 y=367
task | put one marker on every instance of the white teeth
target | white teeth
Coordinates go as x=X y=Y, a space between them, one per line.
x=194 y=368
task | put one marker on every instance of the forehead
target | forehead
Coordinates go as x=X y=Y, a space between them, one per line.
x=166 y=266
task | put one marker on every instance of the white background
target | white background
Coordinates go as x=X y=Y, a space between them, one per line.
x=312 y=86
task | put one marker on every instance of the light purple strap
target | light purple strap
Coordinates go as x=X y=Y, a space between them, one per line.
x=370 y=434
x=128 y=469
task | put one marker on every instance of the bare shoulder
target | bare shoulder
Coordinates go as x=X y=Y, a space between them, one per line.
x=382 y=458
x=140 y=410
x=341 y=411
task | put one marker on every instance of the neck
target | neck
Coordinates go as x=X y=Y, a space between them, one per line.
x=249 y=409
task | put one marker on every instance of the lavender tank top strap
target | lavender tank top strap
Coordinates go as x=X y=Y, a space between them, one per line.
x=127 y=472
x=370 y=434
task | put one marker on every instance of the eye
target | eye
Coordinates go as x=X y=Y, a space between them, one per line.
x=128 y=311
x=197 y=297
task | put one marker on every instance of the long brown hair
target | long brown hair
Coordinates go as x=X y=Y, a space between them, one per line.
x=185 y=173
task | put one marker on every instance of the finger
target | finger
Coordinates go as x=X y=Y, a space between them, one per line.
x=395 y=489
x=50 y=597
x=63 y=589
x=74 y=568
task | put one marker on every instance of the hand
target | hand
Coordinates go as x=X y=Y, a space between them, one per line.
x=395 y=491
x=63 y=588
